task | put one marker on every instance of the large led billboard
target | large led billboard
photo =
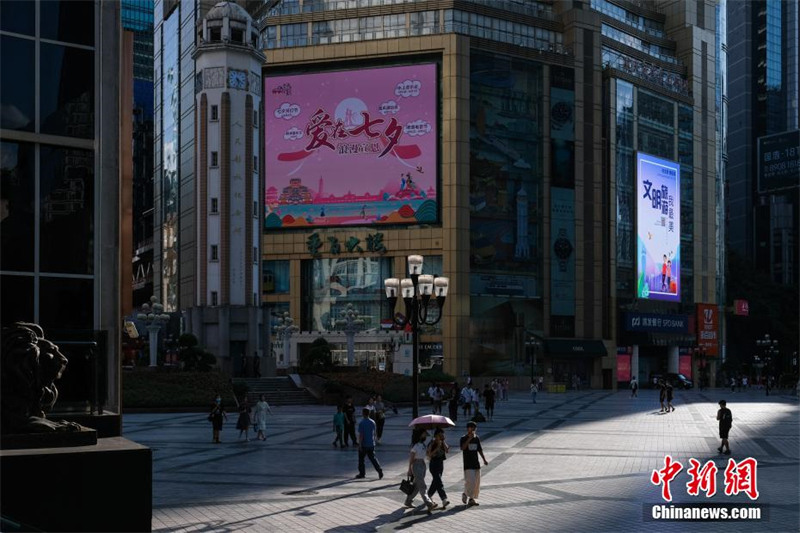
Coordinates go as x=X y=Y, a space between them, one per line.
x=658 y=228
x=353 y=147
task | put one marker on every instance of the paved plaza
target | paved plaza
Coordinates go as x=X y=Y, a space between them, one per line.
x=576 y=461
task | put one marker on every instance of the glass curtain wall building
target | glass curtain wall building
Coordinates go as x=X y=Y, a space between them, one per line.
x=59 y=266
x=137 y=17
x=535 y=183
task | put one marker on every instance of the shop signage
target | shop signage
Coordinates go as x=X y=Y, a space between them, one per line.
x=373 y=244
x=707 y=328
x=741 y=307
x=651 y=322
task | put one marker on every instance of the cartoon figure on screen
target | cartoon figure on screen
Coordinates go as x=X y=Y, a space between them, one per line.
x=664 y=274
x=669 y=276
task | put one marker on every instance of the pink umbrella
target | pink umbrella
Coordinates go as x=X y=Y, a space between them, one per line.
x=431 y=422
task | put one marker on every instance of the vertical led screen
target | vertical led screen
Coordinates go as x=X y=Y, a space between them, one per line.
x=658 y=228
x=355 y=147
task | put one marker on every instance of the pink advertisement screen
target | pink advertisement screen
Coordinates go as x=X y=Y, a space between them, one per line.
x=355 y=147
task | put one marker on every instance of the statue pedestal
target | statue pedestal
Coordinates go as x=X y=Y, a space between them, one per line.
x=55 y=439
x=104 y=487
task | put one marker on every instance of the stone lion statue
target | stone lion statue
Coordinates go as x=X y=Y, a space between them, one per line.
x=30 y=364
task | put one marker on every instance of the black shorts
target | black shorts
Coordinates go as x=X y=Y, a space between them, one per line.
x=723 y=431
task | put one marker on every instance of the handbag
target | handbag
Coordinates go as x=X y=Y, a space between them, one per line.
x=407 y=485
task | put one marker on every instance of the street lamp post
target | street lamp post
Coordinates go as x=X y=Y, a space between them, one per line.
x=769 y=350
x=284 y=328
x=350 y=323
x=154 y=318
x=416 y=292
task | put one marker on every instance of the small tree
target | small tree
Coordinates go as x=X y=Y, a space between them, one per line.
x=193 y=356
x=318 y=358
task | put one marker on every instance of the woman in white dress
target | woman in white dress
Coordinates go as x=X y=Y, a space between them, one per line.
x=262 y=407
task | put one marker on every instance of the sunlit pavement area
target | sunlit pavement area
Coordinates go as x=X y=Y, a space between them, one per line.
x=576 y=461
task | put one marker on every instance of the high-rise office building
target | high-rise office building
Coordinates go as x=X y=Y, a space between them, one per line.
x=556 y=160
x=137 y=17
x=763 y=151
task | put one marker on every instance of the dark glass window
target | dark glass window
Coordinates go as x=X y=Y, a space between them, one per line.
x=17 y=83
x=275 y=277
x=16 y=305
x=18 y=16
x=59 y=294
x=16 y=206
x=68 y=21
x=67 y=212
x=67 y=91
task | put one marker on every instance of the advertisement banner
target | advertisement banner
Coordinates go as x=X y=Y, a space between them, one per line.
x=708 y=328
x=741 y=308
x=658 y=219
x=779 y=161
x=623 y=367
x=685 y=365
x=354 y=147
x=562 y=258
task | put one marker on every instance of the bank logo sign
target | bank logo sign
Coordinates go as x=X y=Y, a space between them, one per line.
x=658 y=227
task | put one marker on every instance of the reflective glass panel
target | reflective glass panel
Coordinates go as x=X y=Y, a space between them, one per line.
x=18 y=16
x=16 y=305
x=17 y=78
x=334 y=283
x=57 y=295
x=67 y=210
x=68 y=21
x=16 y=206
x=66 y=91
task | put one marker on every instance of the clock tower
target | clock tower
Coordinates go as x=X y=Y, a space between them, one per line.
x=227 y=317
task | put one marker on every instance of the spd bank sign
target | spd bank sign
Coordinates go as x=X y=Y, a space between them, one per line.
x=655 y=323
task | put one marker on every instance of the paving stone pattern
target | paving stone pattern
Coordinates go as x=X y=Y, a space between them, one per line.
x=576 y=461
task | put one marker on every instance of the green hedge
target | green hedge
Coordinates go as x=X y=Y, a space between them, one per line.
x=154 y=388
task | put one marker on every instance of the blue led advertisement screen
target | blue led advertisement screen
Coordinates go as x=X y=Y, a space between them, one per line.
x=658 y=218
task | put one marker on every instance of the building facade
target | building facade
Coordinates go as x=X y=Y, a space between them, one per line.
x=522 y=124
x=61 y=194
x=184 y=273
x=762 y=83
x=137 y=17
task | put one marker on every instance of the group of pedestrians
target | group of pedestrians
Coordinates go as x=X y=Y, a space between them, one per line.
x=245 y=420
x=344 y=421
x=436 y=453
x=469 y=398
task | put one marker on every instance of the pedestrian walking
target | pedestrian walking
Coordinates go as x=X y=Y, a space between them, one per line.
x=505 y=389
x=725 y=418
x=534 y=390
x=215 y=417
x=466 y=399
x=488 y=401
x=256 y=365
x=733 y=384
x=262 y=408
x=366 y=445
x=416 y=469
x=634 y=388
x=662 y=394
x=476 y=399
x=452 y=402
x=243 y=423
x=349 y=422
x=338 y=427
x=380 y=417
x=437 y=453
x=470 y=449
x=670 y=394
x=438 y=396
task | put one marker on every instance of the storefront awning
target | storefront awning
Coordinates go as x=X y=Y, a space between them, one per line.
x=574 y=348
